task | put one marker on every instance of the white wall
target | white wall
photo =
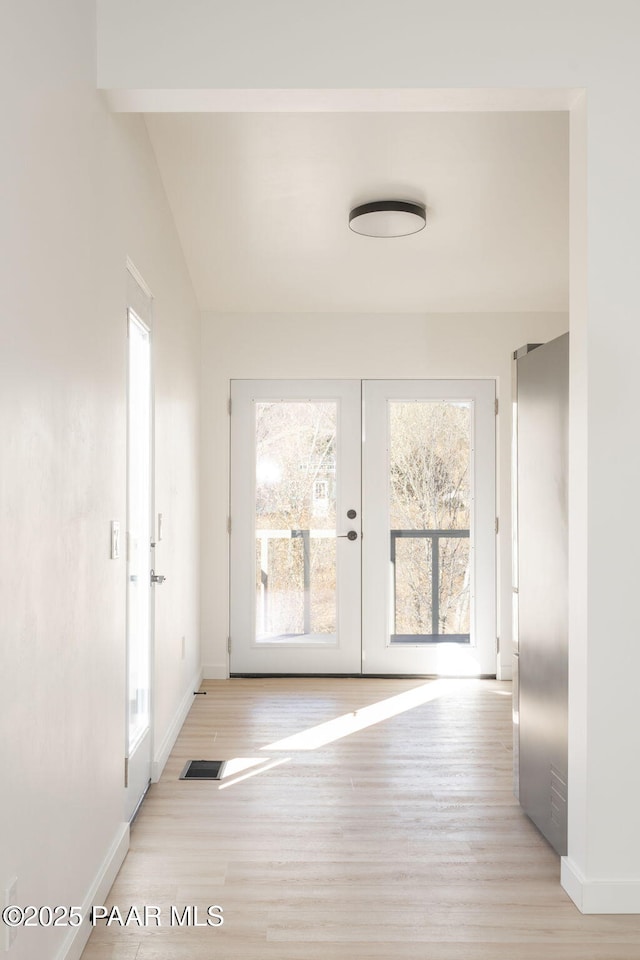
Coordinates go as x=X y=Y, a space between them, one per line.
x=80 y=193
x=353 y=44
x=591 y=45
x=148 y=234
x=379 y=346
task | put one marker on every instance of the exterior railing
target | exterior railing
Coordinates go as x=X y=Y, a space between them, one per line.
x=305 y=535
x=434 y=536
x=264 y=536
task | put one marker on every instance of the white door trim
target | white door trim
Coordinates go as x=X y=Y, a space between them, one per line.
x=372 y=652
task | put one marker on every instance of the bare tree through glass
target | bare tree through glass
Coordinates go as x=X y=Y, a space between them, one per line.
x=296 y=520
x=429 y=464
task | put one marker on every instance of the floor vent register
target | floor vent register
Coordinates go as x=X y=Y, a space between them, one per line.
x=203 y=770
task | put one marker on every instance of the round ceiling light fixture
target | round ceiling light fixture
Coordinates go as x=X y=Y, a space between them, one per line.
x=388 y=218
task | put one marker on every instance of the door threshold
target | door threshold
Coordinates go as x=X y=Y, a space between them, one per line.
x=364 y=676
x=274 y=676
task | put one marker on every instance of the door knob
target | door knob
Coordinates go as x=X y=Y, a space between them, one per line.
x=352 y=535
x=352 y=514
x=157 y=578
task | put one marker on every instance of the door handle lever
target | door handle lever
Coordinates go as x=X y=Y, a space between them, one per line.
x=352 y=535
x=157 y=578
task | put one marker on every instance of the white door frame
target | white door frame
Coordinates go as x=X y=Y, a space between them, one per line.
x=367 y=436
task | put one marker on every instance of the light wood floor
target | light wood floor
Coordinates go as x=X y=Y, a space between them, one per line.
x=372 y=839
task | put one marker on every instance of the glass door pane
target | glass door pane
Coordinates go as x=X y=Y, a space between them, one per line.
x=138 y=531
x=296 y=482
x=430 y=520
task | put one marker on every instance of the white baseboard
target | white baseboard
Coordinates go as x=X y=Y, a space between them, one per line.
x=599 y=896
x=76 y=939
x=505 y=671
x=216 y=671
x=161 y=755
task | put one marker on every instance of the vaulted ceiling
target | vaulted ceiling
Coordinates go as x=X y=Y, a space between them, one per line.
x=261 y=203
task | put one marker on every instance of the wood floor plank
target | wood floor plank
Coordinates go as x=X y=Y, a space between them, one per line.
x=258 y=950
x=111 y=951
x=365 y=819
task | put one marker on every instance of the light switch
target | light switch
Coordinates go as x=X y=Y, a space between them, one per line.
x=115 y=539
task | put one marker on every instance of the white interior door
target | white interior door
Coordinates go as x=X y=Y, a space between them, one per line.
x=429 y=583
x=295 y=498
x=139 y=610
x=422 y=557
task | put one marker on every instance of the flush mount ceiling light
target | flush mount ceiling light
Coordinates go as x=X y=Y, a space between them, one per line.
x=388 y=218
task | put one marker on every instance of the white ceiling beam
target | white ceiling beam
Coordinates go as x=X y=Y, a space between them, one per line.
x=342 y=101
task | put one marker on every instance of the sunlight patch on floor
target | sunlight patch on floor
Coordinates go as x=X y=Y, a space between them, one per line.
x=240 y=764
x=265 y=765
x=350 y=723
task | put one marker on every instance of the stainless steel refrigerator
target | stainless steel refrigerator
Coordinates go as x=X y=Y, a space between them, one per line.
x=541 y=390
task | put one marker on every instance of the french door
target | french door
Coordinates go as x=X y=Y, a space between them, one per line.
x=363 y=527
x=295 y=481
x=139 y=547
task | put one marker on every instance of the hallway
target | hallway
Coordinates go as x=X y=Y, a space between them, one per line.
x=367 y=819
